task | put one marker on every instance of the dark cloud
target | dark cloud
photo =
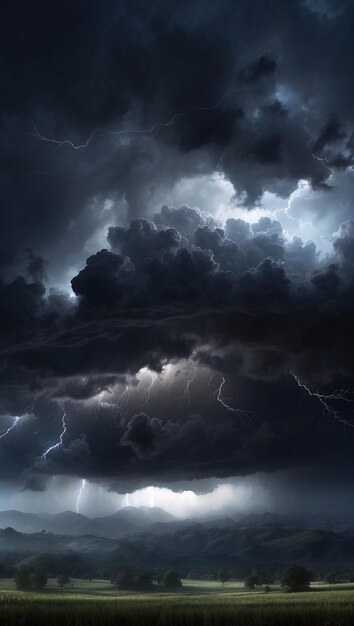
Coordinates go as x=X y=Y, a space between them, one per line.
x=264 y=66
x=330 y=133
x=140 y=99
x=214 y=97
x=260 y=309
x=143 y=435
x=36 y=268
x=142 y=238
x=36 y=482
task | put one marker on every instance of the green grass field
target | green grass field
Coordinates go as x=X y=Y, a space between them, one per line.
x=198 y=603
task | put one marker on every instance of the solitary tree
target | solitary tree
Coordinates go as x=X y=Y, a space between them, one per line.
x=251 y=581
x=125 y=579
x=39 y=578
x=23 y=578
x=296 y=578
x=171 y=579
x=63 y=579
x=332 y=578
x=144 y=579
x=223 y=576
x=351 y=577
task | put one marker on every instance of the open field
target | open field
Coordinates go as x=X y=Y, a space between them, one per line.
x=198 y=603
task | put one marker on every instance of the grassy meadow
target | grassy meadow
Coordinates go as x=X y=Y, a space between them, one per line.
x=201 y=603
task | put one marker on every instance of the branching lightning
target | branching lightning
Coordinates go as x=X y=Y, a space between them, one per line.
x=339 y=395
x=324 y=162
x=225 y=401
x=100 y=400
x=186 y=392
x=98 y=132
x=301 y=185
x=149 y=389
x=60 y=442
x=16 y=420
x=122 y=398
x=101 y=396
x=82 y=487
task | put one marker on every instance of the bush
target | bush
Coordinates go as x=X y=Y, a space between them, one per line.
x=267 y=589
x=295 y=579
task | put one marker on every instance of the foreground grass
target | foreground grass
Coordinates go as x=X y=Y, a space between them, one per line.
x=201 y=603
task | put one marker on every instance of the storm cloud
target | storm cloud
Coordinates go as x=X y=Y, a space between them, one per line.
x=176 y=342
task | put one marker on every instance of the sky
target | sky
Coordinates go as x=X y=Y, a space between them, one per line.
x=177 y=255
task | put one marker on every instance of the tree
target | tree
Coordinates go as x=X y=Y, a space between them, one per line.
x=144 y=579
x=193 y=575
x=295 y=579
x=264 y=575
x=125 y=579
x=63 y=579
x=251 y=581
x=171 y=579
x=351 y=577
x=223 y=576
x=23 y=578
x=39 y=578
x=332 y=578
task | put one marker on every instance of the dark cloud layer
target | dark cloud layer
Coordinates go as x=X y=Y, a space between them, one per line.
x=135 y=98
x=244 y=305
x=220 y=87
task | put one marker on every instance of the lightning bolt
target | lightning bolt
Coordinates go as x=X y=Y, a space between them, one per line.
x=341 y=395
x=324 y=162
x=82 y=487
x=224 y=401
x=100 y=400
x=99 y=132
x=60 y=442
x=186 y=392
x=16 y=420
x=149 y=389
x=123 y=398
x=301 y=185
x=211 y=378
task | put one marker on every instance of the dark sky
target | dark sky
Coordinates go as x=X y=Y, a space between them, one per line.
x=177 y=252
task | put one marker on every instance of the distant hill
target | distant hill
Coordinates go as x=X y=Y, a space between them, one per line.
x=123 y=521
x=143 y=516
x=183 y=545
